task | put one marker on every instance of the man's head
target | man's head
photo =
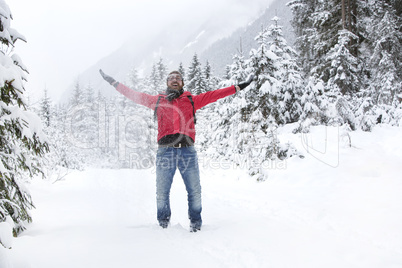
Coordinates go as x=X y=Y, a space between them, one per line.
x=175 y=80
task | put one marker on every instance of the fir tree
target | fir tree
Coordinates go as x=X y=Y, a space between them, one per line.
x=45 y=109
x=382 y=43
x=77 y=96
x=386 y=60
x=195 y=79
x=22 y=143
x=237 y=70
x=154 y=79
x=211 y=81
x=314 y=104
x=207 y=71
x=327 y=41
x=162 y=73
x=303 y=27
x=133 y=79
x=89 y=94
x=289 y=77
x=226 y=76
x=263 y=63
x=182 y=70
x=158 y=77
x=223 y=118
x=62 y=156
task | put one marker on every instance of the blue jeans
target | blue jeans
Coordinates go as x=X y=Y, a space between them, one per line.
x=168 y=159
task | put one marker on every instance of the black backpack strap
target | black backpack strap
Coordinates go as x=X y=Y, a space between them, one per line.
x=156 y=106
x=192 y=103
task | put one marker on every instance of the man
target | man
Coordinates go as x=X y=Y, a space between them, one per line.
x=175 y=112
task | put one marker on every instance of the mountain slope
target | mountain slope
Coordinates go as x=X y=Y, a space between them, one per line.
x=221 y=52
x=177 y=42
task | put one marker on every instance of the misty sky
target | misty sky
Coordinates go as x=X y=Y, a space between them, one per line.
x=67 y=37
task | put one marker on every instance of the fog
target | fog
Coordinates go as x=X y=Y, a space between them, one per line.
x=66 y=38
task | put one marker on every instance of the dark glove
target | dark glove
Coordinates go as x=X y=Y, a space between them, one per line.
x=108 y=78
x=244 y=84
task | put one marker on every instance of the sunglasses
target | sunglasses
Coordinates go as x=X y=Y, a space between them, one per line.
x=174 y=77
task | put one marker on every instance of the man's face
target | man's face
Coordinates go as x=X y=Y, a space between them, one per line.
x=175 y=81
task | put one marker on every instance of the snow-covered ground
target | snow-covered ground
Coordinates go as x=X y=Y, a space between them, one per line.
x=338 y=207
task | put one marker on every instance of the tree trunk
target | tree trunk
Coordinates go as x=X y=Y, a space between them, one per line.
x=350 y=15
x=344 y=14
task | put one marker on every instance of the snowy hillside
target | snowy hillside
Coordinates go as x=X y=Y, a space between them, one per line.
x=338 y=207
x=220 y=53
x=176 y=42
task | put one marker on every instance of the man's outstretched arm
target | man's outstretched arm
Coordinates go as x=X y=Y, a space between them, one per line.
x=211 y=96
x=137 y=97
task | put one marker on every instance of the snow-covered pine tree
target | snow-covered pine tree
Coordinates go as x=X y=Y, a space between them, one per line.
x=162 y=73
x=77 y=96
x=182 y=70
x=303 y=27
x=313 y=104
x=61 y=157
x=385 y=62
x=133 y=78
x=89 y=94
x=245 y=132
x=76 y=116
x=218 y=133
x=80 y=119
x=45 y=109
x=208 y=117
x=290 y=81
x=260 y=99
x=91 y=121
x=210 y=80
x=135 y=134
x=237 y=70
x=233 y=107
x=337 y=61
x=154 y=79
x=263 y=64
x=343 y=67
x=329 y=34
x=107 y=150
x=226 y=76
x=345 y=80
x=136 y=126
x=195 y=81
x=157 y=77
x=22 y=143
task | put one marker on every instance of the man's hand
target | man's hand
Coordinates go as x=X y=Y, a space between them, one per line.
x=108 y=78
x=244 y=84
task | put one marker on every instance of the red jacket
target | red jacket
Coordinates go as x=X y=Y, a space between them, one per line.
x=176 y=116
